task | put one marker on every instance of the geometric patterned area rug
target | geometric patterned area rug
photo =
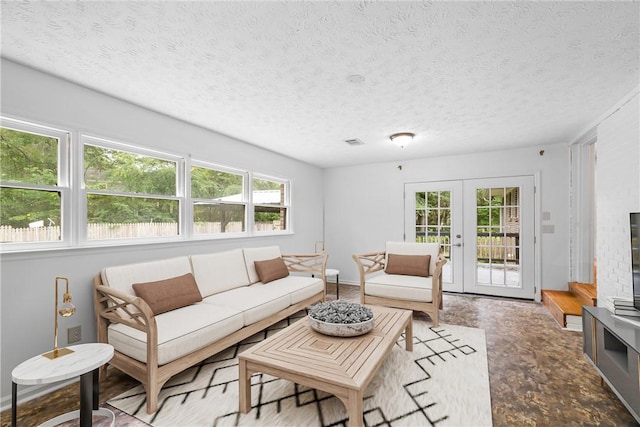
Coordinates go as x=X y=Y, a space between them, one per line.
x=443 y=382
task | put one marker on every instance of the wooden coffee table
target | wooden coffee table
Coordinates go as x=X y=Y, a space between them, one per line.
x=340 y=366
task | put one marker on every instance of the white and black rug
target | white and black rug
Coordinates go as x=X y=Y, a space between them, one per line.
x=443 y=382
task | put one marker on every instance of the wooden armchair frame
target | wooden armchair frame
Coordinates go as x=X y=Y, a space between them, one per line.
x=373 y=262
x=114 y=306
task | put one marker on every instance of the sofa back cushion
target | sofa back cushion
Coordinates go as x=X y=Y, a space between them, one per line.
x=169 y=294
x=220 y=271
x=412 y=248
x=122 y=277
x=252 y=255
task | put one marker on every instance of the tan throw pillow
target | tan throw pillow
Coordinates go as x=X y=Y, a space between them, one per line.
x=409 y=265
x=271 y=269
x=169 y=294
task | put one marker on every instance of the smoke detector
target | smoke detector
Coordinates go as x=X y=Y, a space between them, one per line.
x=355 y=78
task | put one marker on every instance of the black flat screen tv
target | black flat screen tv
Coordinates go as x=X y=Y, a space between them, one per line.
x=634 y=219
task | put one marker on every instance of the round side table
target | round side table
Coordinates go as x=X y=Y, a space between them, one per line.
x=84 y=362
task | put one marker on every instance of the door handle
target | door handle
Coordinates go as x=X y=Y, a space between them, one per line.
x=457 y=244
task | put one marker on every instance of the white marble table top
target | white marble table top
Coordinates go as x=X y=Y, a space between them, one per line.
x=331 y=272
x=42 y=370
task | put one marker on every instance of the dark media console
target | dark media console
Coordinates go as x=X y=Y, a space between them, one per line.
x=613 y=347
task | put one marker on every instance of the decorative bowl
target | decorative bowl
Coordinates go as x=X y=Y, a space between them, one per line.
x=341 y=329
x=341 y=318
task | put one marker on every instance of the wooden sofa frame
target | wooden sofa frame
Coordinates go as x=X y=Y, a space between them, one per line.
x=108 y=302
x=373 y=262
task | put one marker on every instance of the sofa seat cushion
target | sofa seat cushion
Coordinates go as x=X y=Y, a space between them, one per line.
x=180 y=332
x=298 y=287
x=396 y=286
x=255 y=302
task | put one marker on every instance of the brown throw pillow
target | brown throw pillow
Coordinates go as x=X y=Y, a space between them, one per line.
x=169 y=294
x=409 y=265
x=271 y=269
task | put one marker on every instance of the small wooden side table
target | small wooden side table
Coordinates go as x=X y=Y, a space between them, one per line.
x=84 y=362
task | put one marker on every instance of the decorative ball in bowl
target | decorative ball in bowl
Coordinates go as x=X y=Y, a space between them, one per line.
x=341 y=318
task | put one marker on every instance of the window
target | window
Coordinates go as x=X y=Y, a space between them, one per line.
x=270 y=204
x=33 y=183
x=58 y=191
x=218 y=200
x=129 y=193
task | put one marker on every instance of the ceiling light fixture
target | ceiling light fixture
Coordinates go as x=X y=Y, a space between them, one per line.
x=402 y=139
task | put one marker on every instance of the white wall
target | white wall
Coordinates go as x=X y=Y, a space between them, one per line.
x=617 y=194
x=27 y=279
x=364 y=205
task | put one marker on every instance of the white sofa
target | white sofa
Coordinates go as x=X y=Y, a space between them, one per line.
x=404 y=290
x=235 y=305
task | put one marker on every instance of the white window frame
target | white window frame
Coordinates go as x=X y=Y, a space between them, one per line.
x=137 y=150
x=286 y=205
x=63 y=183
x=244 y=202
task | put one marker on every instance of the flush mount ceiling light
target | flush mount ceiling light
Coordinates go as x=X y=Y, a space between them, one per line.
x=402 y=139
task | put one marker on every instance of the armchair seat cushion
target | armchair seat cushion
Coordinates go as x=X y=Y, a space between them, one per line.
x=397 y=286
x=180 y=332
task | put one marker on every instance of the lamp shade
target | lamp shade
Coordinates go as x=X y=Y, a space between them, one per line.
x=402 y=139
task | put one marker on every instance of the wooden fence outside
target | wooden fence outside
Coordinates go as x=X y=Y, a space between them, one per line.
x=494 y=248
x=123 y=231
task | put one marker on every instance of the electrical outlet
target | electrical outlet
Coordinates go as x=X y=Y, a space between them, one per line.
x=73 y=335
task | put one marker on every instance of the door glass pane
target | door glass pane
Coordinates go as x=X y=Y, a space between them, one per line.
x=482 y=195
x=433 y=224
x=498 y=237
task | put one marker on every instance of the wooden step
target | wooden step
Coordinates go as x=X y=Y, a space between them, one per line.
x=561 y=304
x=585 y=293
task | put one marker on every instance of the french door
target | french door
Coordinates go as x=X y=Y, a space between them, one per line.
x=486 y=229
x=433 y=214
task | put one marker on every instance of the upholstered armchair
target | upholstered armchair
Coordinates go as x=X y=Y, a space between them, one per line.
x=406 y=275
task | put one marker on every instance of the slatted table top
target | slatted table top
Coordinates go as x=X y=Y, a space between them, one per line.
x=312 y=357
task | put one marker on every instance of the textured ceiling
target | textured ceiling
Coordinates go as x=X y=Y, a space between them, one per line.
x=463 y=76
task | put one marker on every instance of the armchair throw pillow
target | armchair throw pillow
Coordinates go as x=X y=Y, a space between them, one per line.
x=169 y=294
x=271 y=269
x=408 y=265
